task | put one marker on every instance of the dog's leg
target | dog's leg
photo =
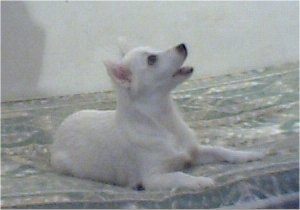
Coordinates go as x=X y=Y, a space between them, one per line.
x=210 y=154
x=176 y=180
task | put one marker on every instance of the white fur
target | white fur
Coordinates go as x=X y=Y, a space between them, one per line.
x=145 y=141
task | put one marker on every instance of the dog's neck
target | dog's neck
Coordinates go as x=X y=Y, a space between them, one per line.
x=153 y=106
x=156 y=111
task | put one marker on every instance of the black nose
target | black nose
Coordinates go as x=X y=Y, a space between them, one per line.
x=181 y=49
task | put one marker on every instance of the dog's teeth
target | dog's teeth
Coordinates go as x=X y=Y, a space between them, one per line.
x=183 y=71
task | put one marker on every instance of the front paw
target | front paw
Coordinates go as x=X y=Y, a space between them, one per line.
x=200 y=182
x=206 y=182
x=242 y=157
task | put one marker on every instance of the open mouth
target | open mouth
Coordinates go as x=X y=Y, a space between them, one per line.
x=183 y=71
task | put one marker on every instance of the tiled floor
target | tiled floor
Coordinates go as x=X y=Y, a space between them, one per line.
x=257 y=110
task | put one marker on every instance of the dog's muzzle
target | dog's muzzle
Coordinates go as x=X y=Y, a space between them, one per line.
x=182 y=49
x=185 y=70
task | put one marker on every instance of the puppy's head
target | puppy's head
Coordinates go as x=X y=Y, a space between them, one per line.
x=144 y=71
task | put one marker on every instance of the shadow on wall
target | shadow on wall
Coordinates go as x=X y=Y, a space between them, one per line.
x=23 y=43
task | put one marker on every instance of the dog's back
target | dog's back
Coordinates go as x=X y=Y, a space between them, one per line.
x=70 y=153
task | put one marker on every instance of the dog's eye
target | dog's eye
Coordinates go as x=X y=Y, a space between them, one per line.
x=152 y=60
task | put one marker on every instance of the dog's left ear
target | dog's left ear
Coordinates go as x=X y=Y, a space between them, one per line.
x=123 y=46
x=119 y=73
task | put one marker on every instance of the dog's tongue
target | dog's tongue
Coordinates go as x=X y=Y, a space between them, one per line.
x=183 y=71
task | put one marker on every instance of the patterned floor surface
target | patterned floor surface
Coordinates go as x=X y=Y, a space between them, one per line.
x=256 y=110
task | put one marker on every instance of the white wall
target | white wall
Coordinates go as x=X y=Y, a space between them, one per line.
x=57 y=48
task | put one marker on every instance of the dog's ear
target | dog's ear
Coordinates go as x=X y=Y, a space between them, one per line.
x=123 y=46
x=120 y=74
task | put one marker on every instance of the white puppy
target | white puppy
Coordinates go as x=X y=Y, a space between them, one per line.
x=145 y=142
